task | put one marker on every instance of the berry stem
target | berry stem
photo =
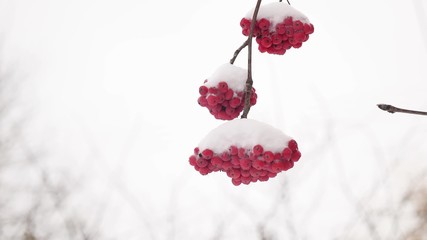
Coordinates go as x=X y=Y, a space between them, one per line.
x=236 y=53
x=393 y=109
x=249 y=81
x=286 y=1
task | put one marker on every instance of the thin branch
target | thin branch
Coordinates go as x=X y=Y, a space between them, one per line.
x=393 y=109
x=249 y=81
x=236 y=53
x=286 y=0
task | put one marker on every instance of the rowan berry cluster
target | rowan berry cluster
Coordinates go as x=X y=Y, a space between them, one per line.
x=224 y=103
x=277 y=38
x=246 y=165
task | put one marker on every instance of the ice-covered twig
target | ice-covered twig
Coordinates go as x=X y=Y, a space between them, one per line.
x=393 y=109
x=249 y=81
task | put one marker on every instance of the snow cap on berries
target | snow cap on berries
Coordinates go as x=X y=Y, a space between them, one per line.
x=234 y=76
x=277 y=11
x=244 y=133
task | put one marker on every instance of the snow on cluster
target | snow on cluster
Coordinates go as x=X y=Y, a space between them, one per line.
x=234 y=76
x=244 y=133
x=276 y=12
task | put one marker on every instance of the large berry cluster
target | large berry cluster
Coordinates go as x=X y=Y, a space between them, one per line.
x=276 y=36
x=246 y=165
x=224 y=103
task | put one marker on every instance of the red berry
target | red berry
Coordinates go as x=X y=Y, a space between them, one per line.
x=258 y=164
x=266 y=42
x=253 y=101
x=284 y=37
x=305 y=38
x=196 y=150
x=227 y=166
x=257 y=31
x=276 y=38
x=202 y=101
x=212 y=100
x=245 y=23
x=296 y=155
x=265 y=32
x=203 y=90
x=233 y=150
x=263 y=178
x=308 y=28
x=264 y=24
x=257 y=150
x=236 y=181
x=245 y=163
x=223 y=87
x=193 y=160
x=289 y=32
x=201 y=162
x=246 y=31
x=235 y=160
x=233 y=173
x=246 y=180
x=297 y=45
x=225 y=157
x=288 y=165
x=280 y=28
x=245 y=173
x=278 y=46
x=268 y=156
x=207 y=153
x=230 y=111
x=213 y=90
x=216 y=162
x=292 y=144
x=254 y=172
x=277 y=167
x=204 y=171
x=299 y=36
x=271 y=174
x=252 y=156
x=262 y=49
x=225 y=103
x=229 y=94
x=212 y=167
x=287 y=45
x=220 y=98
x=288 y=21
x=235 y=102
x=298 y=25
x=286 y=154
x=242 y=153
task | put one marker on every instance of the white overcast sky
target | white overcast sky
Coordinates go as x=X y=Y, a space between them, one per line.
x=113 y=86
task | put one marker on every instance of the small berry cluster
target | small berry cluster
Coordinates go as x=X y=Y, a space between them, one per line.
x=277 y=38
x=244 y=165
x=224 y=103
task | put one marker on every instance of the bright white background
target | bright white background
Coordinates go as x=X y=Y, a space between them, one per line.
x=111 y=90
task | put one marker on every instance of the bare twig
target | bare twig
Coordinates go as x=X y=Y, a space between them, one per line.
x=249 y=81
x=236 y=53
x=393 y=109
x=286 y=0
